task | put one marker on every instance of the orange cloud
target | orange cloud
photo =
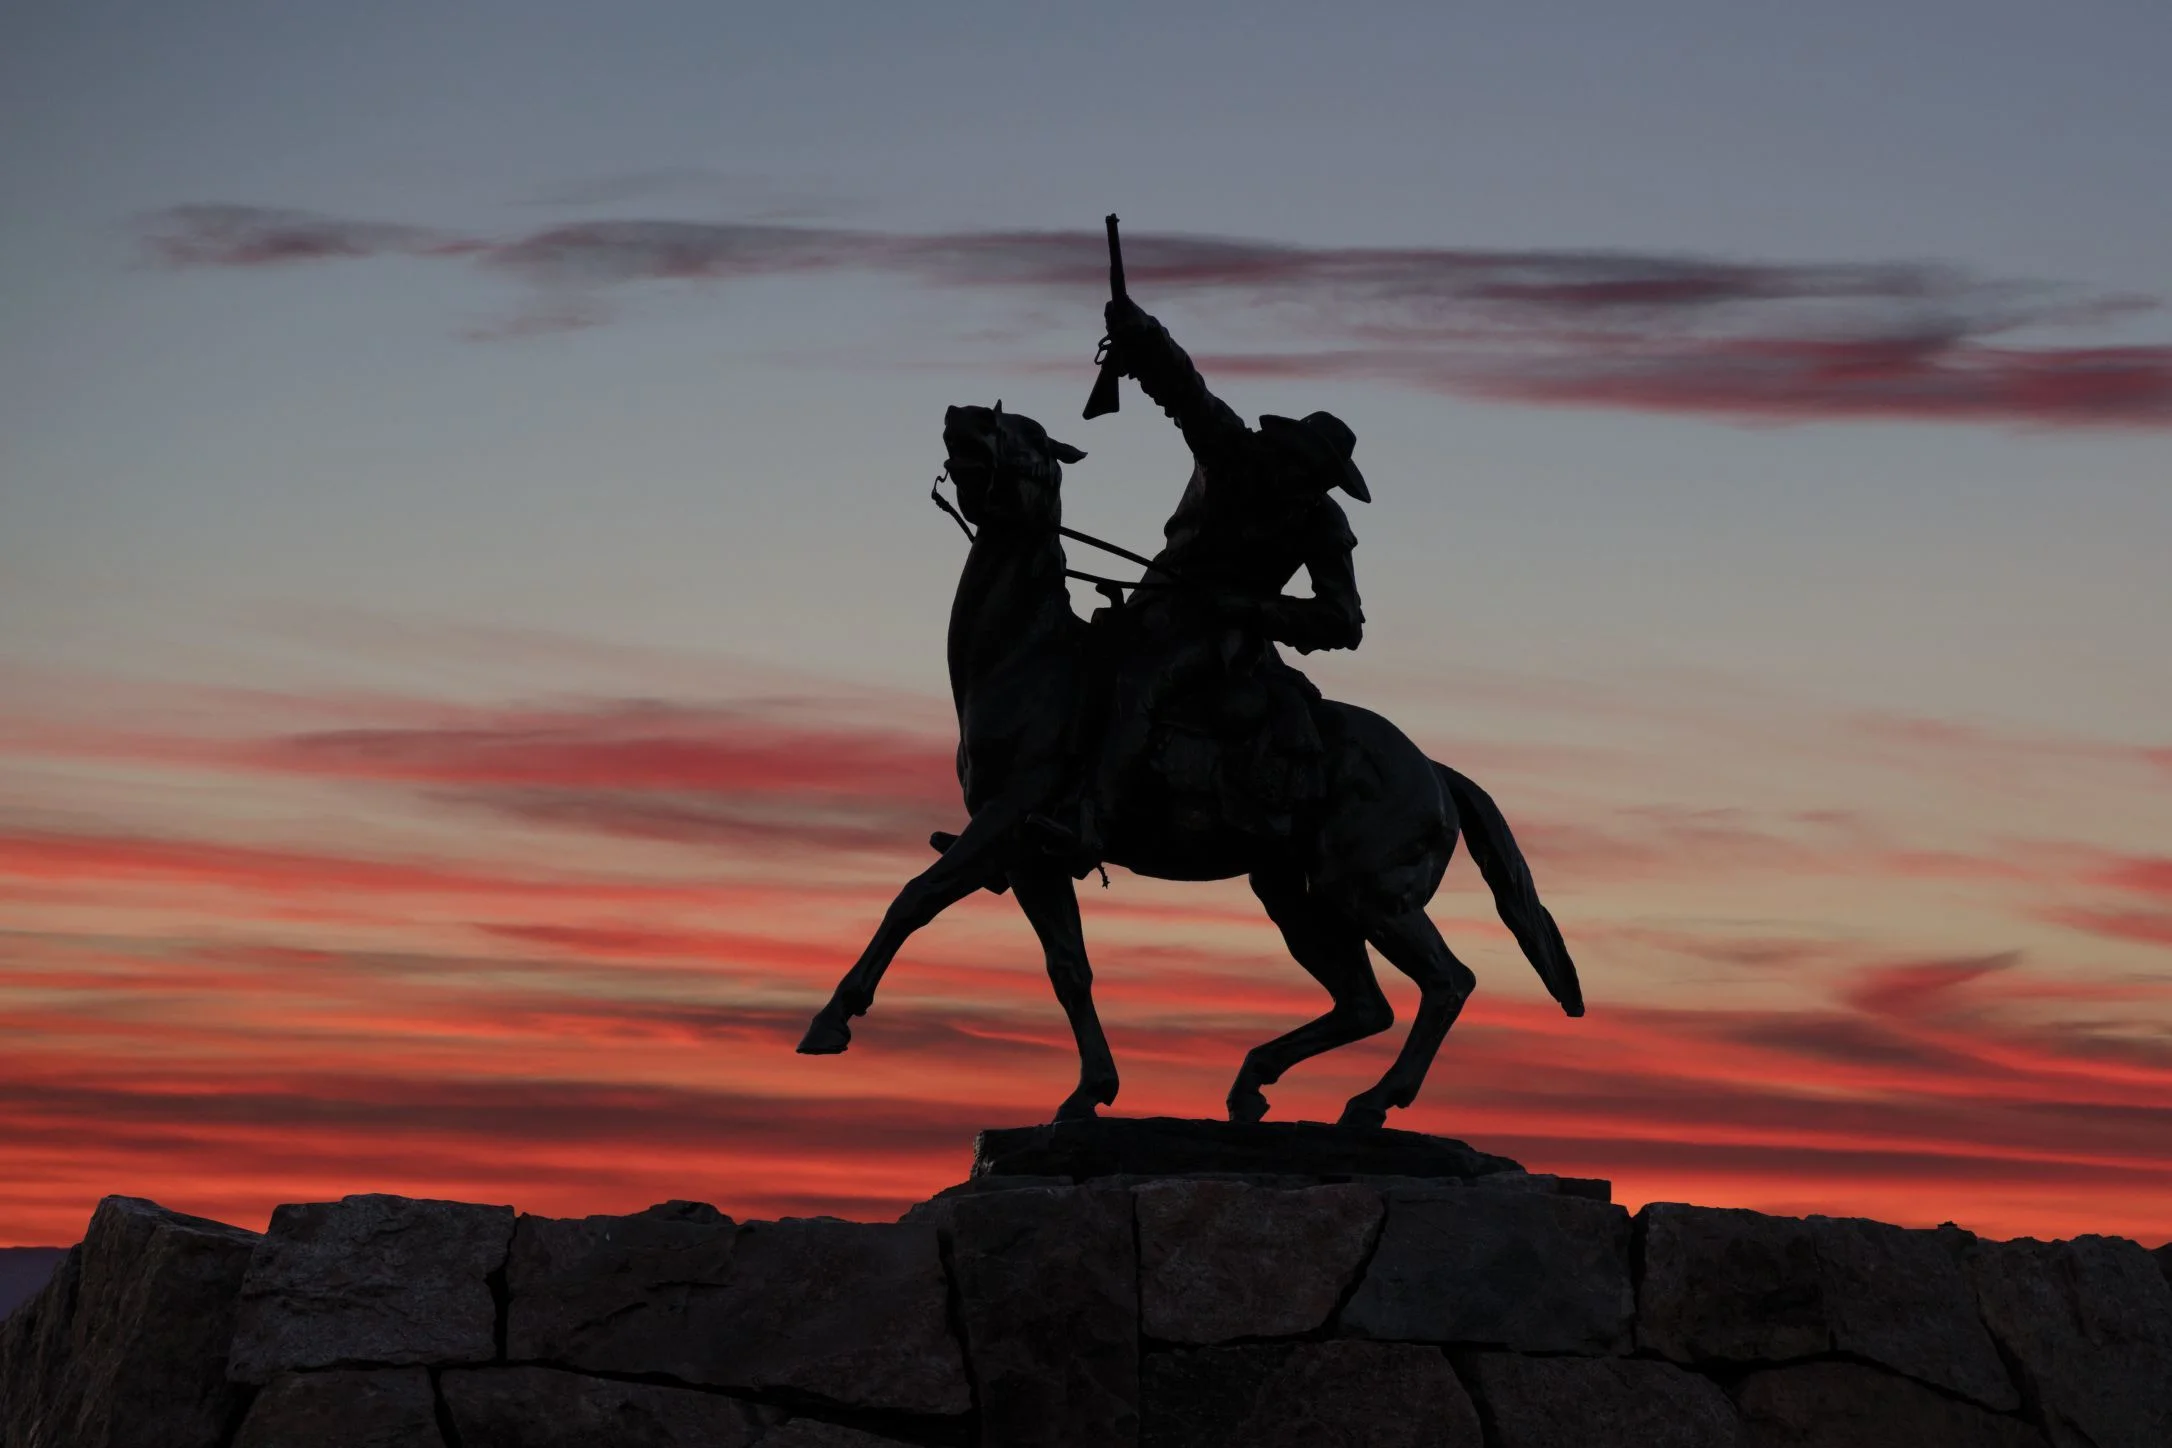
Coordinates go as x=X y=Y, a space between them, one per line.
x=226 y=1081
x=195 y=1010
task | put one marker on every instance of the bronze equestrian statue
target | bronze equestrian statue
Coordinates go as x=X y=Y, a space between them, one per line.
x=1172 y=733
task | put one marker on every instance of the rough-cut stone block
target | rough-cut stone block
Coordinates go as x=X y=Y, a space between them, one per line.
x=612 y=1293
x=1550 y=1402
x=371 y=1280
x=1725 y=1285
x=1222 y=1260
x=1048 y=1295
x=812 y=1433
x=1498 y=1269
x=1900 y=1299
x=1305 y=1395
x=1595 y=1189
x=976 y=1186
x=533 y=1407
x=125 y=1347
x=1505 y=1181
x=1722 y=1285
x=1847 y=1405
x=855 y=1313
x=344 y=1408
x=2089 y=1324
x=1166 y=1146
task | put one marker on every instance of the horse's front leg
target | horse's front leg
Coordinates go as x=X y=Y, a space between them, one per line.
x=965 y=867
x=1050 y=901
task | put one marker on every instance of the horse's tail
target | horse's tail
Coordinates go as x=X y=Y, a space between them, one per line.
x=1494 y=848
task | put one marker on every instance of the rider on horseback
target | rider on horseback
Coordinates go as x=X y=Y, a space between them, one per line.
x=1342 y=825
x=1256 y=510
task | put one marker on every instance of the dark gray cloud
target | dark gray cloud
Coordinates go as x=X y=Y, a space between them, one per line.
x=1643 y=331
x=262 y=236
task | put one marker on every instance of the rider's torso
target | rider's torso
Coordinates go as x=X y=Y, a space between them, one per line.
x=1225 y=534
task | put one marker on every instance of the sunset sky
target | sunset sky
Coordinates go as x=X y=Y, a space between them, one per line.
x=471 y=618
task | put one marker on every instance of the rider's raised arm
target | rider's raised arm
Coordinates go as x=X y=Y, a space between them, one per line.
x=1165 y=373
x=1332 y=617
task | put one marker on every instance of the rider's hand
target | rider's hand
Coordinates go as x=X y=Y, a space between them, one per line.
x=1122 y=315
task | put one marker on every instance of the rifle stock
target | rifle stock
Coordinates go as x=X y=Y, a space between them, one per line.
x=1104 y=397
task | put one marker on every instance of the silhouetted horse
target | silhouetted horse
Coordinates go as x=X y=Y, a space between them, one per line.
x=1359 y=867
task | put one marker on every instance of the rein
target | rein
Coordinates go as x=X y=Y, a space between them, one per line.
x=1109 y=586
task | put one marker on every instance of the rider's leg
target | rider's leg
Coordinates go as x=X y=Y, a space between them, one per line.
x=1124 y=738
x=1145 y=681
x=1073 y=829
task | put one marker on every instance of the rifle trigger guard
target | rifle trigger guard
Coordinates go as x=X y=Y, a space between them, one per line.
x=1101 y=351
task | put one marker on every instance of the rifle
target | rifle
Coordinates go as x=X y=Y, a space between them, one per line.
x=1103 y=398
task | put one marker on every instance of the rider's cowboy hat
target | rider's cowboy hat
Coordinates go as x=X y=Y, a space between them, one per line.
x=1325 y=442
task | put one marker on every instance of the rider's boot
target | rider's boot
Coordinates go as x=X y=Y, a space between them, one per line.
x=1090 y=849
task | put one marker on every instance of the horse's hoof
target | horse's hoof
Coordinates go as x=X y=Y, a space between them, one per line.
x=827 y=1035
x=1077 y=1107
x=1362 y=1114
x=1247 y=1105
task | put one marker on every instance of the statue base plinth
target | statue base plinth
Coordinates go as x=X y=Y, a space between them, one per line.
x=1292 y=1152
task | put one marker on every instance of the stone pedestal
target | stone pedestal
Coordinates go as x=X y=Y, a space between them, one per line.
x=1105 y=1284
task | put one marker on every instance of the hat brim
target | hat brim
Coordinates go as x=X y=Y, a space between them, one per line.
x=1318 y=452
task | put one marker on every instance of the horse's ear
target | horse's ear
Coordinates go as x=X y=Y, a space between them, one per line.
x=1064 y=452
x=999 y=407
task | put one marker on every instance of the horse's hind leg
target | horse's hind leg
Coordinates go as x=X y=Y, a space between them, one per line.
x=1414 y=947
x=965 y=867
x=1332 y=950
x=1051 y=905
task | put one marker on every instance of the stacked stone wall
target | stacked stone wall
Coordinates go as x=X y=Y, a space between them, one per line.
x=1488 y=1310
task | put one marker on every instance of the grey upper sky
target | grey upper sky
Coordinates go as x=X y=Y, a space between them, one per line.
x=192 y=456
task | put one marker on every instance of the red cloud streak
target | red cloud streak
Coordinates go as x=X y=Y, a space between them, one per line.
x=1678 y=334
x=225 y=1080
x=1781 y=379
x=227 y=1024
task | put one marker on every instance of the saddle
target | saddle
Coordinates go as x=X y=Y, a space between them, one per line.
x=1241 y=747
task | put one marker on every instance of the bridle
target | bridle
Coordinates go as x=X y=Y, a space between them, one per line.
x=1110 y=588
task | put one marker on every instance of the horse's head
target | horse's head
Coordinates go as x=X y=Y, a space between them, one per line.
x=1007 y=469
